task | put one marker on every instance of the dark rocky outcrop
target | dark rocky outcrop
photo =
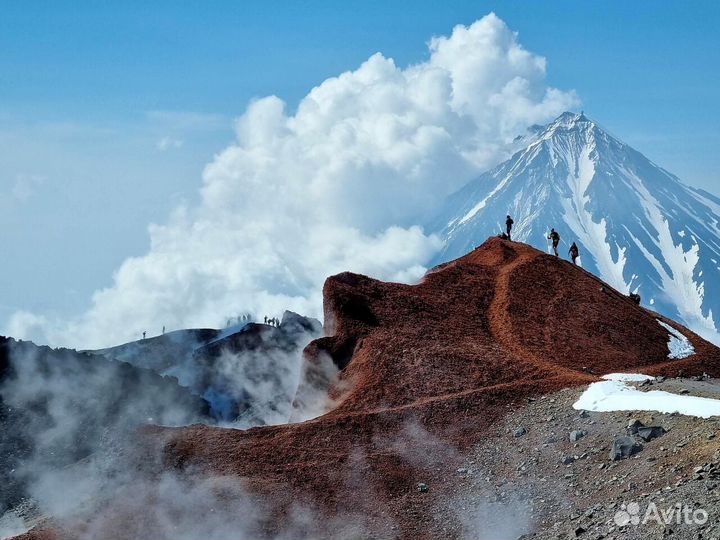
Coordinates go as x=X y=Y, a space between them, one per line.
x=57 y=405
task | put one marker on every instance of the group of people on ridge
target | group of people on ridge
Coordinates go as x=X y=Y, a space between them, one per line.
x=554 y=237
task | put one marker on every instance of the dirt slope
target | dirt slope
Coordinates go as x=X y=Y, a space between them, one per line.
x=425 y=371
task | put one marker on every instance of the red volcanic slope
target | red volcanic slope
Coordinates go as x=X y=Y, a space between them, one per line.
x=426 y=368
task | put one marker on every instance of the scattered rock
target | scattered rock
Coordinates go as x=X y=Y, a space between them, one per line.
x=624 y=447
x=519 y=432
x=422 y=487
x=577 y=434
x=633 y=425
x=707 y=471
x=648 y=433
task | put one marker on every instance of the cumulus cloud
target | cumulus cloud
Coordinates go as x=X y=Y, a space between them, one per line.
x=339 y=184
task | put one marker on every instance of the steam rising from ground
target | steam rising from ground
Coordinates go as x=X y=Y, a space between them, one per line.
x=120 y=487
x=336 y=185
x=249 y=374
x=70 y=425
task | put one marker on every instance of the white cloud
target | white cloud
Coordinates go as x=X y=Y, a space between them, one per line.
x=167 y=143
x=338 y=185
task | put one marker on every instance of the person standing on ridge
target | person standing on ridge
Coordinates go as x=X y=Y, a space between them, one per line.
x=574 y=252
x=555 y=237
x=508 y=224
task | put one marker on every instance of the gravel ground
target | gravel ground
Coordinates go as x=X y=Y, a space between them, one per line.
x=529 y=478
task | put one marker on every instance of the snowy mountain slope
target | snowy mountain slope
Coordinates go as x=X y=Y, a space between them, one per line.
x=638 y=226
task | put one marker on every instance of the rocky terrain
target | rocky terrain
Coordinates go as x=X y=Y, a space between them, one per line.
x=549 y=466
x=227 y=366
x=57 y=406
x=449 y=415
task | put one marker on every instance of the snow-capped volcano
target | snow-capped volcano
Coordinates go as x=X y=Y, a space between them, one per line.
x=637 y=225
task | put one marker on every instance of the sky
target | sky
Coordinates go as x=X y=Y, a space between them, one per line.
x=116 y=116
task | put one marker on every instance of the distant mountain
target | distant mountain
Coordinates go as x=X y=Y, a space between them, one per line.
x=637 y=226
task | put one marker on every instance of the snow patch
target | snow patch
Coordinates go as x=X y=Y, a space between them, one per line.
x=679 y=345
x=614 y=393
x=677 y=269
x=479 y=206
x=593 y=235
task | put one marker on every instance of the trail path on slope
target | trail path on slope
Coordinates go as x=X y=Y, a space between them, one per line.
x=501 y=325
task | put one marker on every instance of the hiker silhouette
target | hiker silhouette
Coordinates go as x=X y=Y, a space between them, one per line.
x=555 y=237
x=574 y=252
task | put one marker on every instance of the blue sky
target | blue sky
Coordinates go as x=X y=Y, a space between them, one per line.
x=109 y=111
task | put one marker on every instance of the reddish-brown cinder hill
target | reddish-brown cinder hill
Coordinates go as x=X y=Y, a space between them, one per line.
x=425 y=369
x=446 y=357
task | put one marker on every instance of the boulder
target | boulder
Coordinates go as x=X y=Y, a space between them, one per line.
x=648 y=433
x=624 y=447
x=633 y=425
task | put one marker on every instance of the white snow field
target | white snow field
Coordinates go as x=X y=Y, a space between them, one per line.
x=615 y=393
x=678 y=345
x=638 y=227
